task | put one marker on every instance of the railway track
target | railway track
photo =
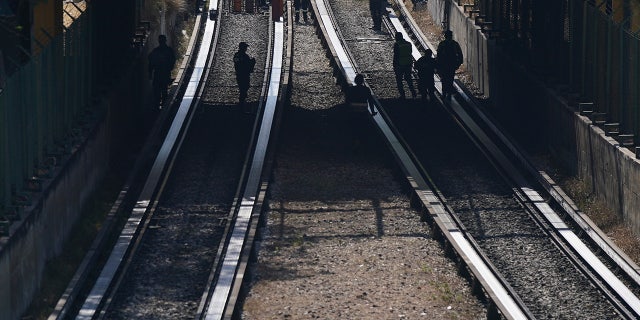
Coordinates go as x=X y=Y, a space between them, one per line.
x=616 y=287
x=503 y=300
x=194 y=255
x=558 y=249
x=168 y=250
x=341 y=238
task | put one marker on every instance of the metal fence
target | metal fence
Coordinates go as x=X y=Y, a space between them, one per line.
x=605 y=54
x=40 y=106
x=591 y=45
x=46 y=103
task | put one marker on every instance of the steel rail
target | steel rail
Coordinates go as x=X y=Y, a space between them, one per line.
x=504 y=299
x=550 y=222
x=114 y=265
x=221 y=303
x=530 y=197
x=631 y=303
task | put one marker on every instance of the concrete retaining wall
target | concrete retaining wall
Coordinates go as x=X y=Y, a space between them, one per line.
x=612 y=171
x=536 y=114
x=47 y=223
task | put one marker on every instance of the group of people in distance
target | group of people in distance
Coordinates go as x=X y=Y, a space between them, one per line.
x=447 y=61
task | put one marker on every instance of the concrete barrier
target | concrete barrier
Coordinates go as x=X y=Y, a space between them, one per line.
x=47 y=222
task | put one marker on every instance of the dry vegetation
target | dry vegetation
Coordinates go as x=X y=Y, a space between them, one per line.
x=608 y=221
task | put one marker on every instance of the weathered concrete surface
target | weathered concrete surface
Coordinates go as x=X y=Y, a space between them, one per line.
x=47 y=223
x=612 y=171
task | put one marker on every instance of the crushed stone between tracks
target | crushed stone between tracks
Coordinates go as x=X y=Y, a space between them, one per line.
x=341 y=239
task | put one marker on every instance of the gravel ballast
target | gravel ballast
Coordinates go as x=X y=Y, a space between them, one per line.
x=341 y=239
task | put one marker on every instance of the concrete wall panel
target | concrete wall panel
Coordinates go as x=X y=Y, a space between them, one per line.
x=41 y=235
x=584 y=153
x=605 y=168
x=630 y=168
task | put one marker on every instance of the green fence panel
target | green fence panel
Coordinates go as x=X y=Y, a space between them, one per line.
x=605 y=64
x=40 y=105
x=634 y=85
x=4 y=153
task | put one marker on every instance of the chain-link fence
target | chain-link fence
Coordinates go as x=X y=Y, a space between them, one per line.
x=38 y=107
x=592 y=46
x=46 y=102
x=604 y=51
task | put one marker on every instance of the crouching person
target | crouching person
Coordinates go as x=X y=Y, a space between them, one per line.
x=359 y=96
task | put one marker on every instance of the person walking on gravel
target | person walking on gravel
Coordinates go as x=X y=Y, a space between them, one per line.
x=448 y=61
x=403 y=64
x=377 y=8
x=301 y=5
x=426 y=66
x=243 y=65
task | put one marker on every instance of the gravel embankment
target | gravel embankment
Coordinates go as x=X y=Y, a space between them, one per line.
x=341 y=240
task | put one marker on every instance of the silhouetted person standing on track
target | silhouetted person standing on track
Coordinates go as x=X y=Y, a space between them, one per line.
x=161 y=62
x=448 y=61
x=243 y=65
x=360 y=94
x=377 y=8
x=301 y=5
x=403 y=64
x=426 y=66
